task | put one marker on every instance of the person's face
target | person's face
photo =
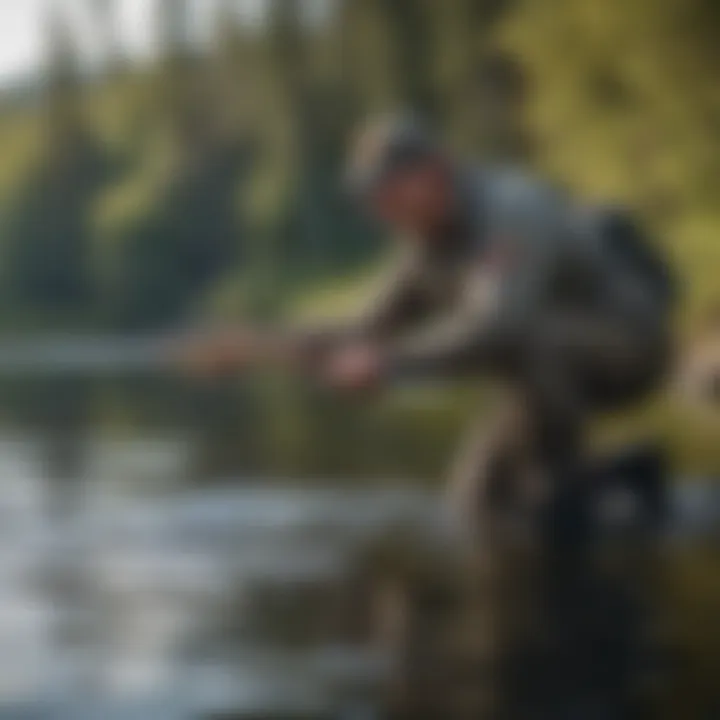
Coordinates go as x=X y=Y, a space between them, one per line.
x=415 y=200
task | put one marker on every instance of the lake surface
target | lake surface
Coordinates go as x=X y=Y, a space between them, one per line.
x=148 y=597
x=142 y=601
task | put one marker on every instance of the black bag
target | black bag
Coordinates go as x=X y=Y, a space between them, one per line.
x=627 y=241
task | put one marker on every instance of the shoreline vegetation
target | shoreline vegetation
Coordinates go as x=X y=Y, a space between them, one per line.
x=206 y=186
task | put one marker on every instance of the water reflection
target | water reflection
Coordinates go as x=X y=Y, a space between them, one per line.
x=154 y=592
x=147 y=570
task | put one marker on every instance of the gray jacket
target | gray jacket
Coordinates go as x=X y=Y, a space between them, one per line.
x=521 y=253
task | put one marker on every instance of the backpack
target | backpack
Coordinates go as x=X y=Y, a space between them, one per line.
x=633 y=248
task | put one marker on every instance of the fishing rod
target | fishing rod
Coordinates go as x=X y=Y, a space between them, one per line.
x=183 y=353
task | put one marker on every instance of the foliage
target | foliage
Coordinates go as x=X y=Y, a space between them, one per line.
x=209 y=184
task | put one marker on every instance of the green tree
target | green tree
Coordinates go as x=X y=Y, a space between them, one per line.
x=48 y=271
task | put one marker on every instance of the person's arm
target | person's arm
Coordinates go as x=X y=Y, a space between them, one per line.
x=399 y=302
x=503 y=303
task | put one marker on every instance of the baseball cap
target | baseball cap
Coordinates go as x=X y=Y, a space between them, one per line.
x=384 y=145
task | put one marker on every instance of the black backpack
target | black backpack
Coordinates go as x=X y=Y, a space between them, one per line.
x=626 y=240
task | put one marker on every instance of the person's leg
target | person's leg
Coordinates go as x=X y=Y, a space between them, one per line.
x=490 y=496
x=480 y=481
x=575 y=371
x=510 y=477
x=579 y=364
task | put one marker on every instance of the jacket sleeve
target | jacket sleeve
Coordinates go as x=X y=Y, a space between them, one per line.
x=398 y=303
x=503 y=301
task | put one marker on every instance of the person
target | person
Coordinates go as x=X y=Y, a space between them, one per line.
x=567 y=306
x=503 y=275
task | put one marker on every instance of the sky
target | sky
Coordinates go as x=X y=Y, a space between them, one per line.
x=21 y=29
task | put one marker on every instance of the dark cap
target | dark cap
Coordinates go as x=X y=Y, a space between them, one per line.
x=384 y=145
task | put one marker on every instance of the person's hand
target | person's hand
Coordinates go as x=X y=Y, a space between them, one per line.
x=355 y=367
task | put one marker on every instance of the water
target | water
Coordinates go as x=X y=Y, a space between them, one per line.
x=152 y=598
x=146 y=601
